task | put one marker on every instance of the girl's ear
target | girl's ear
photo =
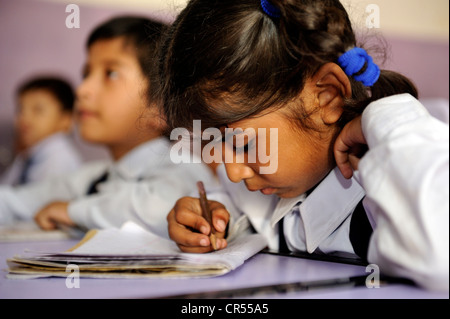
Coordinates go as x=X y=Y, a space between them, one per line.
x=331 y=87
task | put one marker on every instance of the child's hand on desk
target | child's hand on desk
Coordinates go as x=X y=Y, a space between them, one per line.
x=190 y=230
x=53 y=214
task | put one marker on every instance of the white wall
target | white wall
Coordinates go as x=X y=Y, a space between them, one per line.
x=408 y=18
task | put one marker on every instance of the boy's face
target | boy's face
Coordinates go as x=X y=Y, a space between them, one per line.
x=110 y=100
x=40 y=115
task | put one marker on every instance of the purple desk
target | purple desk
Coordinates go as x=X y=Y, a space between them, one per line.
x=262 y=269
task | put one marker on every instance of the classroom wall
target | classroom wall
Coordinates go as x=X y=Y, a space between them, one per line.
x=34 y=39
x=411 y=18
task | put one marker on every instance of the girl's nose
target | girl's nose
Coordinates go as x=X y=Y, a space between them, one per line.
x=237 y=172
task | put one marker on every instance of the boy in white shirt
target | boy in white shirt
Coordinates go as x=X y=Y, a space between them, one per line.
x=44 y=119
x=142 y=183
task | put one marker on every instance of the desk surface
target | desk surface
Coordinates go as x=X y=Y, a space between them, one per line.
x=262 y=269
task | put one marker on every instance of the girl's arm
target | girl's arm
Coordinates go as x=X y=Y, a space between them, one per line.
x=23 y=202
x=405 y=174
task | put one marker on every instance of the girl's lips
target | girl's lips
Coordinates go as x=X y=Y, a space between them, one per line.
x=265 y=190
x=86 y=114
x=268 y=191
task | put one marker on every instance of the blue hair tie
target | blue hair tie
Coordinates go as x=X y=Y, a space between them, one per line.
x=270 y=9
x=354 y=60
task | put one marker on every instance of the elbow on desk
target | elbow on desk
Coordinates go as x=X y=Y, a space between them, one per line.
x=429 y=271
x=436 y=270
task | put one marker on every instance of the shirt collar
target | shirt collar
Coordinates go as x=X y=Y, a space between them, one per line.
x=46 y=143
x=284 y=206
x=143 y=160
x=331 y=202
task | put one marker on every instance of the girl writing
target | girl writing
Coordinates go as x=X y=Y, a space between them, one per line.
x=295 y=65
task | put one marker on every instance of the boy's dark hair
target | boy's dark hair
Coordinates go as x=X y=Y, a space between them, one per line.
x=225 y=60
x=58 y=87
x=141 y=33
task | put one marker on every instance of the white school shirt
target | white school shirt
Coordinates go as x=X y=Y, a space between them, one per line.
x=405 y=178
x=143 y=187
x=325 y=214
x=53 y=156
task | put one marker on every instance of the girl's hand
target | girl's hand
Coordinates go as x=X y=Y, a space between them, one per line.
x=53 y=214
x=189 y=230
x=350 y=147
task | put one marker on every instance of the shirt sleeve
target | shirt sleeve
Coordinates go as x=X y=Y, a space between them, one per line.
x=56 y=157
x=23 y=202
x=146 y=202
x=405 y=175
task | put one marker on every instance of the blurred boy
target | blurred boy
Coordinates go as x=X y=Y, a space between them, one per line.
x=43 y=121
x=142 y=183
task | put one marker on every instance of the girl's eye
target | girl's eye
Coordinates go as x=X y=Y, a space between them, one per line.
x=85 y=73
x=240 y=149
x=111 y=74
x=246 y=148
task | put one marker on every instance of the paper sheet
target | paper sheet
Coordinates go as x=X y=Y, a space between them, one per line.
x=29 y=231
x=135 y=252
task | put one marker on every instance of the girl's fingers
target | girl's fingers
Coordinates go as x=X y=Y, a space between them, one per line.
x=190 y=231
x=192 y=220
x=220 y=217
x=349 y=142
x=181 y=232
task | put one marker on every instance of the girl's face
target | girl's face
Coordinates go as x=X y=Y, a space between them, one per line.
x=304 y=157
x=110 y=100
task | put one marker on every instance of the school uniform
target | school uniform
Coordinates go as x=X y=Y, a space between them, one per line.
x=322 y=226
x=53 y=156
x=394 y=212
x=411 y=237
x=143 y=187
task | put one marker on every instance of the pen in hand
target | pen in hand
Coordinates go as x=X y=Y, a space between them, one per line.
x=206 y=213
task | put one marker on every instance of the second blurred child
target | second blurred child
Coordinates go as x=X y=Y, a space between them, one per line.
x=142 y=183
x=44 y=119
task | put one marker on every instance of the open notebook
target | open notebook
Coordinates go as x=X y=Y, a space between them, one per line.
x=132 y=252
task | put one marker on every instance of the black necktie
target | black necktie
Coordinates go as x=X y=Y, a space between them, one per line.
x=93 y=186
x=282 y=245
x=360 y=231
x=23 y=178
